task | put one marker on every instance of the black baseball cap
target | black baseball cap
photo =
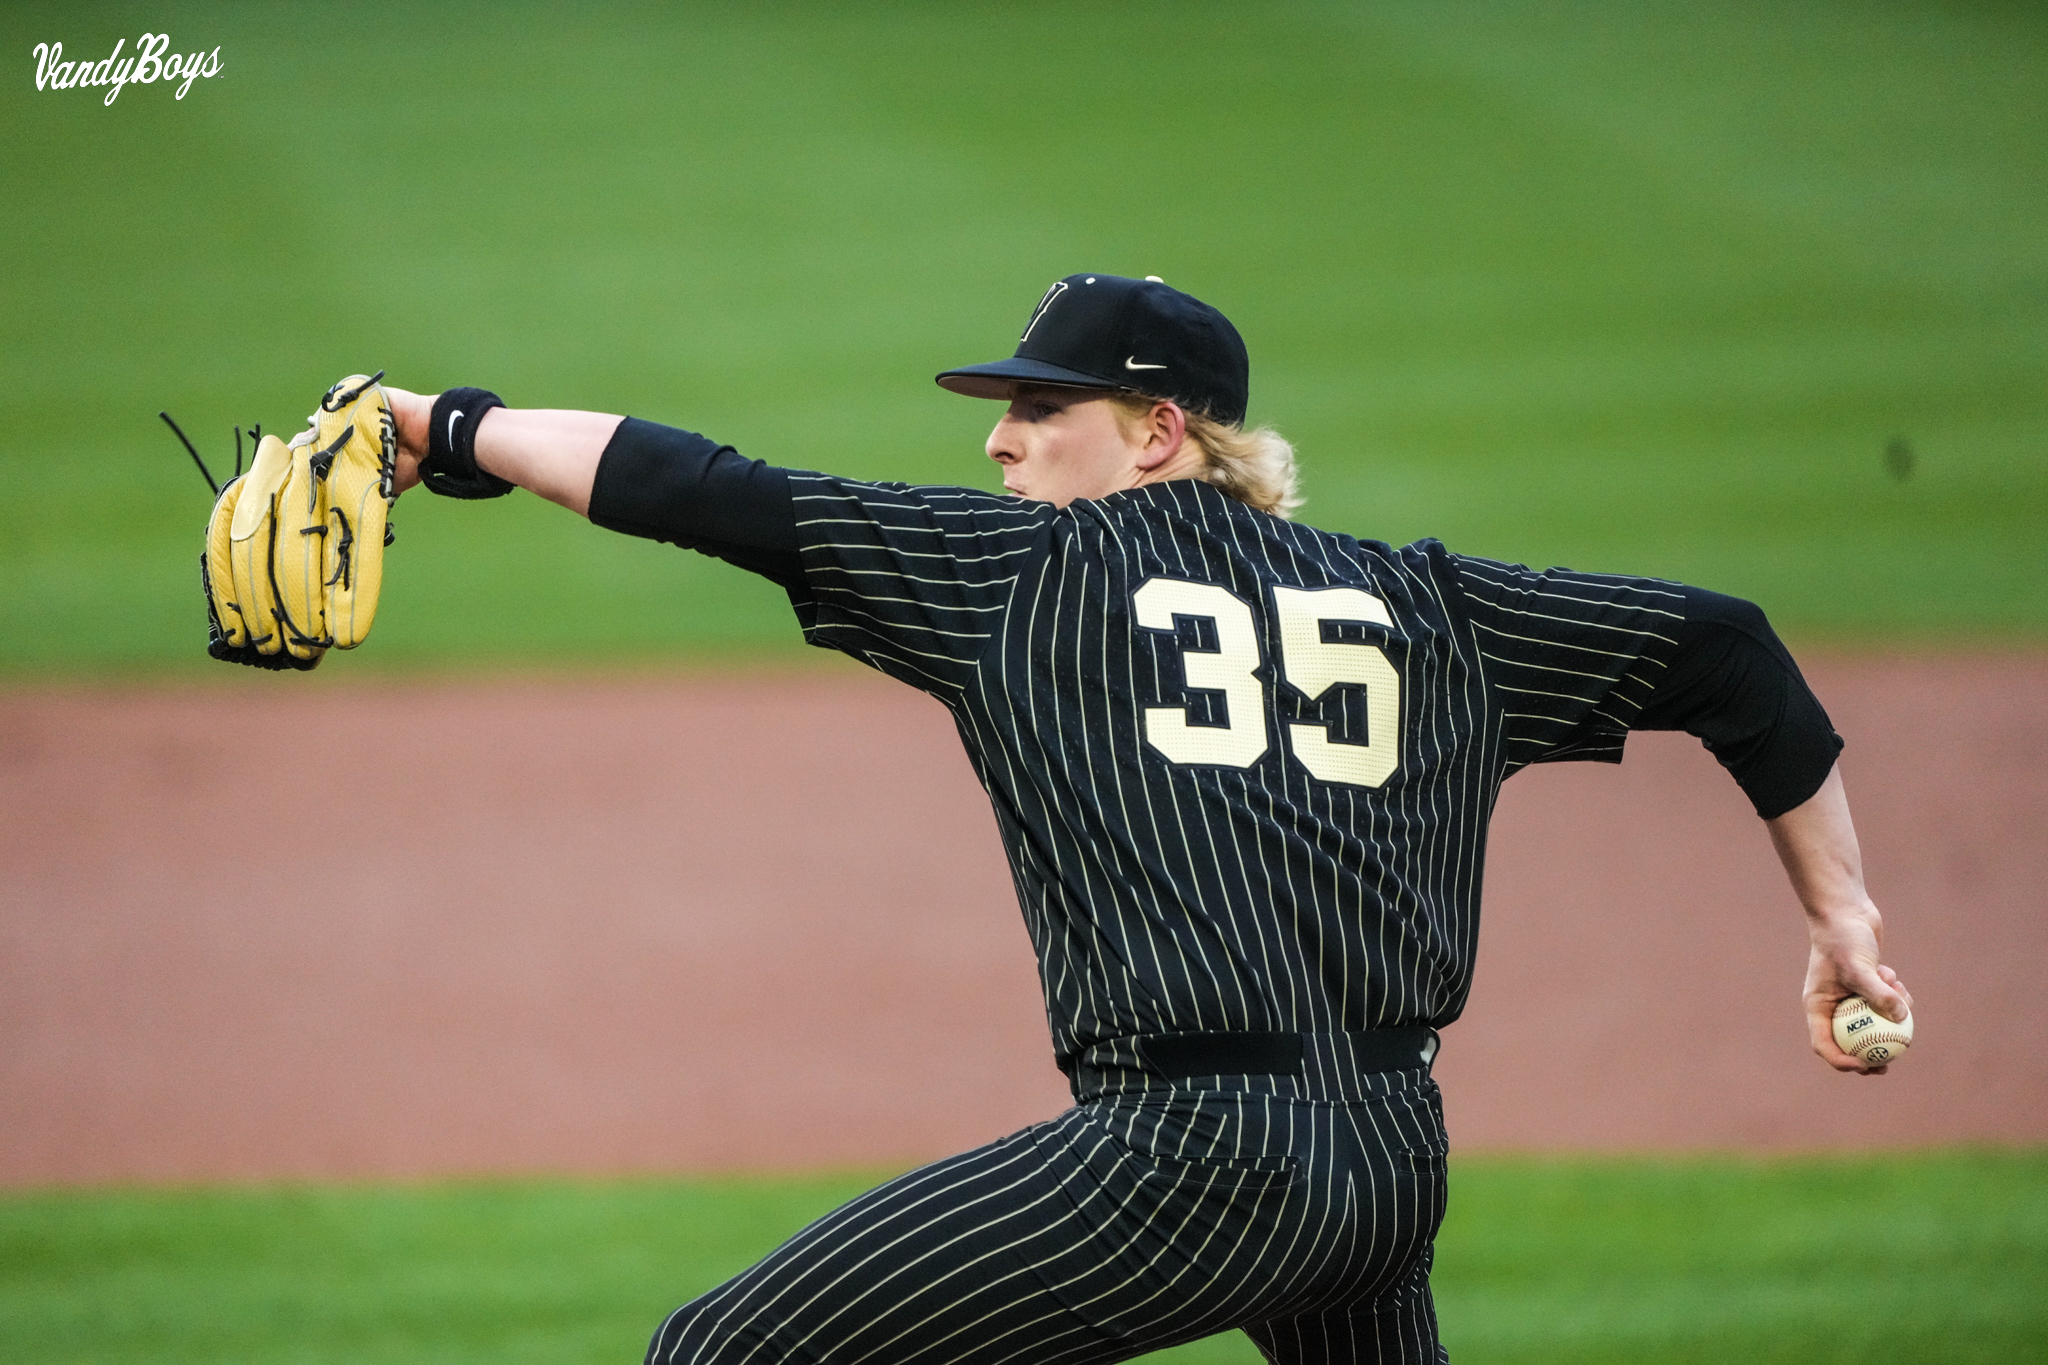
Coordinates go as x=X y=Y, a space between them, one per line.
x=1109 y=332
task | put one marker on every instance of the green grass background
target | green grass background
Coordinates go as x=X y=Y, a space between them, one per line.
x=1938 y=1257
x=1637 y=286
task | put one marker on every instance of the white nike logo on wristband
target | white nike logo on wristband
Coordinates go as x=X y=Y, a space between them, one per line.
x=453 y=418
x=1131 y=363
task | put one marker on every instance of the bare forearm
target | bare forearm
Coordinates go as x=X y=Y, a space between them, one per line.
x=549 y=451
x=1816 y=841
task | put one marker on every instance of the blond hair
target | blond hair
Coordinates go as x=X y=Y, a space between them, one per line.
x=1256 y=467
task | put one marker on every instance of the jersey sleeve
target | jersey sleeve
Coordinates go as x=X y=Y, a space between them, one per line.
x=910 y=579
x=1570 y=658
x=1733 y=685
x=684 y=489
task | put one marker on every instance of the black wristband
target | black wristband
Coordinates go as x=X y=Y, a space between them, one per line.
x=450 y=467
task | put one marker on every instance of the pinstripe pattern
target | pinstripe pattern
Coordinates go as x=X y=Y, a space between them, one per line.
x=1167 y=898
x=1126 y=1225
x=1230 y=891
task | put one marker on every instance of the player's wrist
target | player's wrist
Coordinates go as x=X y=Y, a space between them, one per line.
x=450 y=466
x=1843 y=910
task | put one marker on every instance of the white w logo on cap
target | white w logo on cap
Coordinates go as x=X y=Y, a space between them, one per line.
x=1059 y=287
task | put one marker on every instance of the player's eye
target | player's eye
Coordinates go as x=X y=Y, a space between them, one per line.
x=1044 y=410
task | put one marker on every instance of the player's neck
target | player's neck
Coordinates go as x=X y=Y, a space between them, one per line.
x=1185 y=463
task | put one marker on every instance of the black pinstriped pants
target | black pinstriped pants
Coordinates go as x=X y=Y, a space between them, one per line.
x=1132 y=1222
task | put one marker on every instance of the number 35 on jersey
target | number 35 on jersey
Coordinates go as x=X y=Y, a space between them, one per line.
x=1308 y=662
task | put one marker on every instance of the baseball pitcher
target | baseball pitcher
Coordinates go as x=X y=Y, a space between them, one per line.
x=1242 y=770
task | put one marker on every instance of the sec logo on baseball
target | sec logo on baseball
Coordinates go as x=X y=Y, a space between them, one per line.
x=1868 y=1036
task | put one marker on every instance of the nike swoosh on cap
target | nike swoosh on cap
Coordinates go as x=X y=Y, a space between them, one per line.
x=1131 y=363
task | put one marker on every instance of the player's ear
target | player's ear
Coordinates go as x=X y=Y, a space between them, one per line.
x=1166 y=429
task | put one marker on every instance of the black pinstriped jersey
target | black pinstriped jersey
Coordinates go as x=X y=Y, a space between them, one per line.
x=1242 y=768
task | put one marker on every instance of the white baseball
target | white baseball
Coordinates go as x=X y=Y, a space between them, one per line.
x=1868 y=1036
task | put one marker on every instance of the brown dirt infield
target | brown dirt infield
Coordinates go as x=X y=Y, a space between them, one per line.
x=763 y=922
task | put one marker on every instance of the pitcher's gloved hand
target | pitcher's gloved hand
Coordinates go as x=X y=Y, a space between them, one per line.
x=295 y=548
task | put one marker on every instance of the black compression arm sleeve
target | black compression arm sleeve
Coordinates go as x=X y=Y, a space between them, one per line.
x=1733 y=684
x=676 y=486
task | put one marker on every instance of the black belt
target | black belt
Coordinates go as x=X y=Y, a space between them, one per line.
x=1176 y=1056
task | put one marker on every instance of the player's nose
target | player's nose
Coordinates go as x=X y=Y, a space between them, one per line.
x=1002 y=445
